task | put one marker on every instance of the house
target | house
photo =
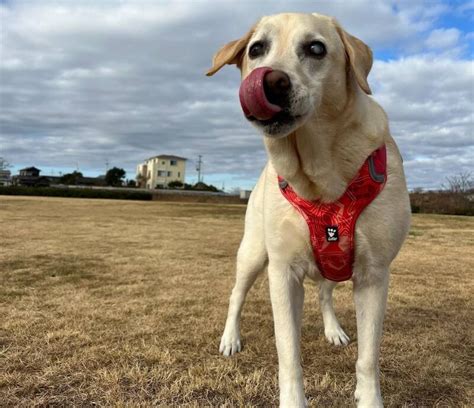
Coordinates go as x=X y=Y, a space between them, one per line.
x=30 y=177
x=30 y=172
x=5 y=178
x=159 y=171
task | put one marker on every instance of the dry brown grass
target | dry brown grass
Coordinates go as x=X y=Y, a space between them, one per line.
x=119 y=303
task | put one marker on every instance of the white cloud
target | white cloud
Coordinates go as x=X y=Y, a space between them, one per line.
x=469 y=35
x=466 y=7
x=430 y=105
x=443 y=38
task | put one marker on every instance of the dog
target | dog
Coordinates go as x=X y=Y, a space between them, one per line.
x=304 y=87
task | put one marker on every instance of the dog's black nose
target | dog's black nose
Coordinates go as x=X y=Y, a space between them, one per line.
x=277 y=87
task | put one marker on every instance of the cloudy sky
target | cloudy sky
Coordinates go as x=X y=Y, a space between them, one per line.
x=83 y=83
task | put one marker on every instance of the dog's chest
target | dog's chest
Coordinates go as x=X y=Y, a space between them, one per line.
x=332 y=225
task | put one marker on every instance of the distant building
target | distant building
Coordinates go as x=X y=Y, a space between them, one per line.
x=245 y=194
x=159 y=171
x=5 y=178
x=30 y=172
x=30 y=177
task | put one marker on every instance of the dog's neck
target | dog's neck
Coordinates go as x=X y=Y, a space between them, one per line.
x=321 y=157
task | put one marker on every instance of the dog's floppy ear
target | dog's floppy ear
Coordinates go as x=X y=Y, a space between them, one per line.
x=359 y=56
x=231 y=53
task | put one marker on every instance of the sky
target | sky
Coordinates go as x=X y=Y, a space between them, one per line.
x=86 y=84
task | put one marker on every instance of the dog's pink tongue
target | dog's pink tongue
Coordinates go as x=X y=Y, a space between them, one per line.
x=252 y=96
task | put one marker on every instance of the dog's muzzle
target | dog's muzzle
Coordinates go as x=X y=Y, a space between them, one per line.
x=264 y=93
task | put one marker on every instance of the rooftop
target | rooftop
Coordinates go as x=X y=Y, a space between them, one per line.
x=168 y=157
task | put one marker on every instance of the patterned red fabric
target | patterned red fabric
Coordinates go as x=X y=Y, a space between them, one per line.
x=332 y=225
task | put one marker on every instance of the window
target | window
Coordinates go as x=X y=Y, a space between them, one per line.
x=174 y=162
x=163 y=162
x=162 y=173
x=169 y=174
x=179 y=174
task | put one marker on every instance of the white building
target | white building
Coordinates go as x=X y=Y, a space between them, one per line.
x=159 y=171
x=5 y=178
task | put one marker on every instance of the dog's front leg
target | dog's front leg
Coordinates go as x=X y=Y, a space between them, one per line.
x=287 y=295
x=370 y=301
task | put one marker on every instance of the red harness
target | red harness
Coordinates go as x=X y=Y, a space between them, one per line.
x=332 y=225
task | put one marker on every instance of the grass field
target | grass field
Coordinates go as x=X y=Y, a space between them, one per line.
x=120 y=303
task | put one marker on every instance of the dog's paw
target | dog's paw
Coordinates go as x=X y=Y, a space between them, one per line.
x=368 y=399
x=230 y=344
x=335 y=335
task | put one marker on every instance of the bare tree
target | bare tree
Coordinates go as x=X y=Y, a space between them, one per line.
x=4 y=164
x=460 y=183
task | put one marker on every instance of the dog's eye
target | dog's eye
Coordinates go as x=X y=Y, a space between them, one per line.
x=316 y=49
x=256 y=49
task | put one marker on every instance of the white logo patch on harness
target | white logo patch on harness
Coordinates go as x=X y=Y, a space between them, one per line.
x=332 y=233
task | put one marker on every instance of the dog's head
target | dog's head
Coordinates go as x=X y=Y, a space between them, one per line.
x=295 y=67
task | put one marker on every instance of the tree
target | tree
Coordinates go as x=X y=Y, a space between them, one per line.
x=71 y=178
x=142 y=180
x=115 y=176
x=131 y=183
x=200 y=185
x=4 y=164
x=462 y=182
x=175 y=184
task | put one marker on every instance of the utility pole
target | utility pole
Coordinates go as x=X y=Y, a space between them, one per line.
x=199 y=168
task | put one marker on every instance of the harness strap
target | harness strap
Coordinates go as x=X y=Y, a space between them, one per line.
x=332 y=225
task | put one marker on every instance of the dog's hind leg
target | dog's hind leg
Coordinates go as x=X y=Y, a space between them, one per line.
x=332 y=329
x=251 y=260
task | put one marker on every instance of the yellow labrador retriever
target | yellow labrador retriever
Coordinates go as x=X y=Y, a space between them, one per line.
x=319 y=125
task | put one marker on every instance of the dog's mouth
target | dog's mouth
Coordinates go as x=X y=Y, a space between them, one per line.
x=253 y=98
x=280 y=125
x=283 y=117
x=267 y=105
